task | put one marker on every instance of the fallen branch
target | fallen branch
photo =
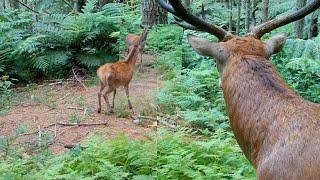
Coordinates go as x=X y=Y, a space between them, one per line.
x=82 y=124
x=65 y=124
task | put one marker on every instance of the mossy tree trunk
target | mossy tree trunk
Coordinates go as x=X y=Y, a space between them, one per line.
x=152 y=13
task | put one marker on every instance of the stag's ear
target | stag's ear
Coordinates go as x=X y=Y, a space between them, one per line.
x=207 y=48
x=275 y=44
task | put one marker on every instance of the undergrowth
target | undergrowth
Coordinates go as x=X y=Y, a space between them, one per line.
x=168 y=156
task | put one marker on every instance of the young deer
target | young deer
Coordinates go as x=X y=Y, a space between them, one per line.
x=278 y=130
x=113 y=75
x=133 y=39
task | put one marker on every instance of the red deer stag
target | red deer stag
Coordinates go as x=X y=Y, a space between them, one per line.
x=113 y=75
x=278 y=130
x=133 y=39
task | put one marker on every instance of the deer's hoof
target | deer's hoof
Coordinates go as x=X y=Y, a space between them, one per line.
x=99 y=111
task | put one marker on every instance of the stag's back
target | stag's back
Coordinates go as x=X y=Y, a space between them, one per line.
x=277 y=129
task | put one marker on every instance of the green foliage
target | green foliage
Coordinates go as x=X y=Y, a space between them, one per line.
x=53 y=43
x=167 y=156
x=164 y=38
x=299 y=65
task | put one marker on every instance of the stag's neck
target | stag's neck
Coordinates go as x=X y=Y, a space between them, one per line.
x=254 y=95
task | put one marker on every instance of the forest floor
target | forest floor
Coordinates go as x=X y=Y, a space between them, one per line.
x=46 y=105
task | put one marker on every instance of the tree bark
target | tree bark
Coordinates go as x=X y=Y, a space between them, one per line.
x=78 y=5
x=253 y=14
x=299 y=25
x=265 y=10
x=187 y=3
x=313 y=27
x=153 y=14
x=248 y=15
x=230 y=15
x=226 y=3
x=3 y=4
x=239 y=17
x=12 y=4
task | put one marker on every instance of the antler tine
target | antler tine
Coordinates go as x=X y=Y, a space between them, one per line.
x=268 y=26
x=177 y=9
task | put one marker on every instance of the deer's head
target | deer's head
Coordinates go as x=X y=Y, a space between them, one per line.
x=229 y=45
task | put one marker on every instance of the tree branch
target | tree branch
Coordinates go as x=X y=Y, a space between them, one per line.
x=24 y=5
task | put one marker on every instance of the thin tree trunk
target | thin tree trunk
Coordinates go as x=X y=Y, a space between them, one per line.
x=239 y=17
x=313 y=27
x=248 y=15
x=78 y=5
x=187 y=3
x=12 y=4
x=153 y=14
x=265 y=10
x=3 y=4
x=230 y=15
x=299 y=25
x=226 y=3
x=253 y=18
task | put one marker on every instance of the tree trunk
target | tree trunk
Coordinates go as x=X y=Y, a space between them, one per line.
x=239 y=17
x=313 y=27
x=253 y=18
x=248 y=15
x=299 y=25
x=226 y=3
x=265 y=10
x=78 y=5
x=3 y=4
x=187 y=3
x=153 y=14
x=230 y=15
x=12 y=4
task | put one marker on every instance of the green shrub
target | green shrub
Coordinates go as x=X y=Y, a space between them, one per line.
x=167 y=156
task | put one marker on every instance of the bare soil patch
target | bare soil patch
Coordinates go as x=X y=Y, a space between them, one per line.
x=67 y=103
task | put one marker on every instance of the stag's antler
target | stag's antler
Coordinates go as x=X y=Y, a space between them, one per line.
x=259 y=31
x=196 y=23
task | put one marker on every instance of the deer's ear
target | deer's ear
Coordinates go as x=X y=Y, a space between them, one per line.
x=275 y=44
x=207 y=48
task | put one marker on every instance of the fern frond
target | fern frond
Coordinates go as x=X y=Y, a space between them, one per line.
x=89 y=6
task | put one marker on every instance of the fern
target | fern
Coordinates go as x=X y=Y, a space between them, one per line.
x=89 y=6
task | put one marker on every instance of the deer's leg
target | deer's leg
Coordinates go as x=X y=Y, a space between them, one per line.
x=114 y=95
x=106 y=93
x=99 y=96
x=126 y=87
x=107 y=90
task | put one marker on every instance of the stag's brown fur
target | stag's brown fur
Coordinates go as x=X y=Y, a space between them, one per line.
x=278 y=131
x=113 y=75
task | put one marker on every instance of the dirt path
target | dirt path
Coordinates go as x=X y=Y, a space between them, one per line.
x=68 y=103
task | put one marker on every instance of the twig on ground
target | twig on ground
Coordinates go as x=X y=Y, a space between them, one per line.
x=55 y=83
x=72 y=146
x=39 y=135
x=76 y=77
x=76 y=108
x=55 y=129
